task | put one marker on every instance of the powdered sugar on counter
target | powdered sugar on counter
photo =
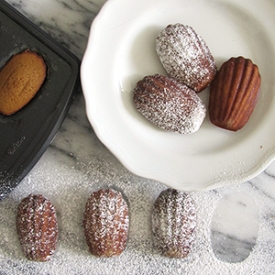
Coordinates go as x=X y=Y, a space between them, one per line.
x=77 y=164
x=68 y=182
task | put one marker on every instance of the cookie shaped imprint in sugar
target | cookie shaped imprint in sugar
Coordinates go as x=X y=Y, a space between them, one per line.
x=185 y=56
x=173 y=223
x=106 y=223
x=169 y=104
x=20 y=80
x=37 y=228
x=234 y=93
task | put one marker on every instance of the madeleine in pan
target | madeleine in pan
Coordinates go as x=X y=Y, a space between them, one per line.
x=20 y=80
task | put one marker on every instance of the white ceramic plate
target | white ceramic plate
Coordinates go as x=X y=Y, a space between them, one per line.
x=121 y=51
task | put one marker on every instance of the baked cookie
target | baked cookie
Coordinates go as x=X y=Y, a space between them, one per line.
x=169 y=104
x=173 y=223
x=20 y=80
x=185 y=56
x=106 y=223
x=37 y=227
x=234 y=93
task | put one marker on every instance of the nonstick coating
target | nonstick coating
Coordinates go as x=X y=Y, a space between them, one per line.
x=26 y=134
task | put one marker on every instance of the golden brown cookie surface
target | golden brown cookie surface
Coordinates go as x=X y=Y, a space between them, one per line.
x=20 y=80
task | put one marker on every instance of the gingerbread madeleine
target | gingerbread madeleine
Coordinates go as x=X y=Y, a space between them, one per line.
x=185 y=56
x=169 y=104
x=234 y=93
x=20 y=80
x=106 y=223
x=37 y=227
x=173 y=223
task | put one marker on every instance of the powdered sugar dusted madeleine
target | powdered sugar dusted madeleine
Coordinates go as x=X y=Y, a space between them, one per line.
x=37 y=227
x=106 y=223
x=169 y=104
x=173 y=223
x=185 y=56
x=234 y=93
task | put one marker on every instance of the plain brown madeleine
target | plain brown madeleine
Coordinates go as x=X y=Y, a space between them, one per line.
x=20 y=80
x=234 y=93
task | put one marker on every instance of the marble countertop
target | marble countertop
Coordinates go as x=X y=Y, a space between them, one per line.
x=236 y=224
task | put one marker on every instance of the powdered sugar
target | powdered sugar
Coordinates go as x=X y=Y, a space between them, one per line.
x=106 y=223
x=71 y=183
x=169 y=104
x=185 y=56
x=173 y=223
x=37 y=227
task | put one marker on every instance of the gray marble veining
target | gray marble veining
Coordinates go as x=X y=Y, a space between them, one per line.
x=231 y=239
x=76 y=163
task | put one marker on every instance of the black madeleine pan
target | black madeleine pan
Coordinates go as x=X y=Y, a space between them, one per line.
x=25 y=135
